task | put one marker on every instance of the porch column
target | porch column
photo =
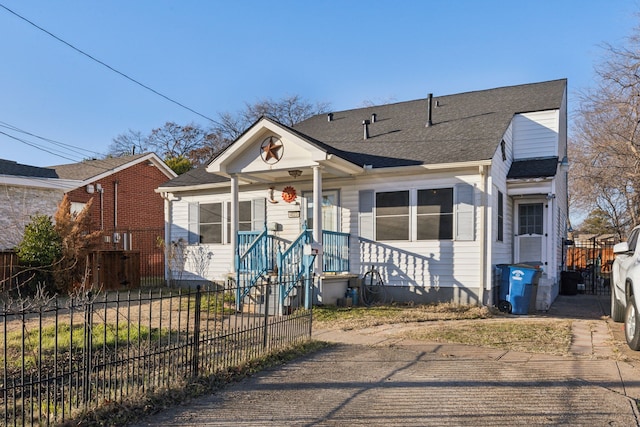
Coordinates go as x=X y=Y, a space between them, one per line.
x=234 y=220
x=317 y=214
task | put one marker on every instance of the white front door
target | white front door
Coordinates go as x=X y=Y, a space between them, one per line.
x=530 y=232
x=330 y=203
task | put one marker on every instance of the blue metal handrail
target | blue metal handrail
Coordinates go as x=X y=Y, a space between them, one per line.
x=246 y=239
x=251 y=263
x=294 y=264
x=335 y=251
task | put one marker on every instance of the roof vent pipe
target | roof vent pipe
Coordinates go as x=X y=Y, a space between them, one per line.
x=373 y=117
x=365 y=125
x=330 y=117
x=429 y=105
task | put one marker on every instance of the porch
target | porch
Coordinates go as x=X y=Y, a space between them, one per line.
x=304 y=271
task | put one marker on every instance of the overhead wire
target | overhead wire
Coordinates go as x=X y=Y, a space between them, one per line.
x=74 y=150
x=137 y=82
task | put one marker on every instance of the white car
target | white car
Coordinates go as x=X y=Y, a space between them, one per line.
x=625 y=287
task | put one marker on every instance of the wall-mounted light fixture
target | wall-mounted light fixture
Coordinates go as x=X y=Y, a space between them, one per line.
x=294 y=173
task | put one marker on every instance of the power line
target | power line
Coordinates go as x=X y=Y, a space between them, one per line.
x=34 y=145
x=70 y=148
x=107 y=65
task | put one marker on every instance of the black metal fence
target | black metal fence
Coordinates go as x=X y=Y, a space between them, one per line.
x=591 y=262
x=64 y=356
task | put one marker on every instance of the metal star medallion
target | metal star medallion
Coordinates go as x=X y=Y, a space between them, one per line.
x=270 y=150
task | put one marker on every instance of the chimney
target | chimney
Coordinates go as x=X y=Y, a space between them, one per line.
x=365 y=125
x=429 y=105
x=330 y=117
x=373 y=117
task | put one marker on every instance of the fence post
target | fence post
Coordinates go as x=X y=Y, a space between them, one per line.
x=265 y=334
x=88 y=325
x=195 y=355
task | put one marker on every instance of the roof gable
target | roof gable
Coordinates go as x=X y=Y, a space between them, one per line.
x=93 y=170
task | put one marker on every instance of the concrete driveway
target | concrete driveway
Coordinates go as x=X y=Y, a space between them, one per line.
x=371 y=377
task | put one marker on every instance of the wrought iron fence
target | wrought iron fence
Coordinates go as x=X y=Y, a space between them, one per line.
x=592 y=259
x=62 y=356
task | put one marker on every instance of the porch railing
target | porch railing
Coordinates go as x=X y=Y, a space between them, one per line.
x=293 y=265
x=252 y=263
x=335 y=257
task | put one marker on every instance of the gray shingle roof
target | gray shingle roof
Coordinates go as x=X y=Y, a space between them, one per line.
x=466 y=126
x=533 y=168
x=9 y=167
x=197 y=176
x=90 y=168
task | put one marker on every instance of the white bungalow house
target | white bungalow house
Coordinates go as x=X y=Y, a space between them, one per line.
x=432 y=193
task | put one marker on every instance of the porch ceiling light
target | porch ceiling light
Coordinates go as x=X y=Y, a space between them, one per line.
x=295 y=173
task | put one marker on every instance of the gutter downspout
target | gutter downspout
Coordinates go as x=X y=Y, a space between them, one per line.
x=485 y=271
x=115 y=205
x=167 y=235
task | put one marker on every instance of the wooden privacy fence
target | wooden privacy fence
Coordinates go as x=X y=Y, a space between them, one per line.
x=581 y=256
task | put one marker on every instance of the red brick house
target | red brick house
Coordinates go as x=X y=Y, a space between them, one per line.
x=125 y=206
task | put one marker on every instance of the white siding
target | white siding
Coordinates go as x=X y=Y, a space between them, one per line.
x=501 y=252
x=430 y=264
x=536 y=134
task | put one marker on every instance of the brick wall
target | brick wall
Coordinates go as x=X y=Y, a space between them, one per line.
x=135 y=206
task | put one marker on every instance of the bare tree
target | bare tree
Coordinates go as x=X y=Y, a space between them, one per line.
x=131 y=142
x=199 y=145
x=605 y=149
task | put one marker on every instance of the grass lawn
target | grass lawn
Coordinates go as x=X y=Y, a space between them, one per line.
x=451 y=323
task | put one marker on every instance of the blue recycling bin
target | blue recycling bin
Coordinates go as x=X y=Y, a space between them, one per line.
x=516 y=287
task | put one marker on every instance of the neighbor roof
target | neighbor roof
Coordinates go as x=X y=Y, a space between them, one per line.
x=92 y=168
x=9 y=167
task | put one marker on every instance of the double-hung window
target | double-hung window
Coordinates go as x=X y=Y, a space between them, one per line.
x=211 y=222
x=392 y=215
x=435 y=214
x=418 y=214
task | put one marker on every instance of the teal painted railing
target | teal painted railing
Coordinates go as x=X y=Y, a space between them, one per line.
x=256 y=257
x=293 y=264
x=251 y=263
x=335 y=254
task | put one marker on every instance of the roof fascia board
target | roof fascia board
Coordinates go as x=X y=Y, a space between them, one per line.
x=35 y=182
x=433 y=167
x=192 y=187
x=148 y=157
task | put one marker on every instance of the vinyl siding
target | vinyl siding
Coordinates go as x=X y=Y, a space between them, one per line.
x=406 y=263
x=536 y=134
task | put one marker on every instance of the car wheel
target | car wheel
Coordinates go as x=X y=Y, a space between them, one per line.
x=632 y=325
x=617 y=309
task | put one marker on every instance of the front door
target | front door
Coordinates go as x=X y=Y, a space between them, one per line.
x=530 y=233
x=330 y=203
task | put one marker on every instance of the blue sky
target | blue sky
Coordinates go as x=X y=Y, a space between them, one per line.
x=215 y=56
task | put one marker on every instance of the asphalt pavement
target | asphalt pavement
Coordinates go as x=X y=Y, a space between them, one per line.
x=375 y=377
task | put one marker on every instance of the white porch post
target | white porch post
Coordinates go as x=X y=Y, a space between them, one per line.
x=317 y=214
x=234 y=220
